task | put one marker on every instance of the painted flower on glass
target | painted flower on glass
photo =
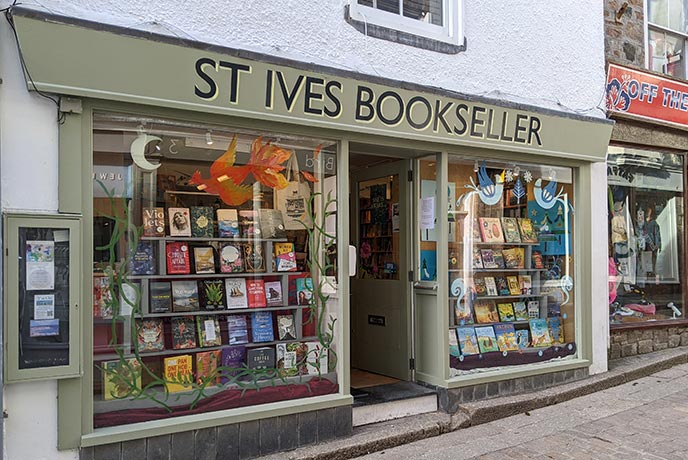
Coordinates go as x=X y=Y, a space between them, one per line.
x=366 y=252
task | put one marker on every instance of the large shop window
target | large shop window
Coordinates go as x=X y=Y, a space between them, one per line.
x=511 y=264
x=213 y=258
x=646 y=235
x=667 y=34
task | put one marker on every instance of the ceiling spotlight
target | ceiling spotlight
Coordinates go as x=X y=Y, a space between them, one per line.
x=517 y=171
x=157 y=147
x=208 y=138
x=475 y=166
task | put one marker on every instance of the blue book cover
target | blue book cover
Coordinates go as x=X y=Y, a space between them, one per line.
x=233 y=359
x=522 y=338
x=428 y=265
x=304 y=290
x=553 y=309
x=539 y=333
x=555 y=330
x=261 y=326
x=467 y=340
x=237 y=328
x=506 y=337
x=142 y=260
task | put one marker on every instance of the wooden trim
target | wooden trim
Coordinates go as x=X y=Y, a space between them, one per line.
x=648 y=325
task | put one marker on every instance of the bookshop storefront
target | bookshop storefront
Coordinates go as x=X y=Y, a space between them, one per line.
x=250 y=230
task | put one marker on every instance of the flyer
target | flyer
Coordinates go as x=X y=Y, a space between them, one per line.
x=44 y=327
x=40 y=265
x=44 y=306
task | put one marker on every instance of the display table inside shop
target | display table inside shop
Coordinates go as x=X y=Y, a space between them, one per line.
x=509 y=358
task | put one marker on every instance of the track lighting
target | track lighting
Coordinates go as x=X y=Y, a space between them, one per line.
x=208 y=138
x=517 y=171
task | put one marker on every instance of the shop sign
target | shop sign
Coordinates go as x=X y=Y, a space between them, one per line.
x=646 y=96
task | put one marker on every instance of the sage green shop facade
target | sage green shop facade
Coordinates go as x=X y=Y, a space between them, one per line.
x=97 y=67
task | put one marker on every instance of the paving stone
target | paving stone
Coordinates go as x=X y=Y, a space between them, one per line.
x=325 y=425
x=308 y=428
x=289 y=431
x=182 y=446
x=343 y=421
x=249 y=439
x=228 y=442
x=158 y=448
x=269 y=435
x=206 y=444
x=134 y=449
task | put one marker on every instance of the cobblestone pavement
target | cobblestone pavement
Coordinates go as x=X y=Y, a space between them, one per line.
x=643 y=419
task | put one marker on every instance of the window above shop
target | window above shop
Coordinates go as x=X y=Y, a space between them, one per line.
x=412 y=22
x=667 y=35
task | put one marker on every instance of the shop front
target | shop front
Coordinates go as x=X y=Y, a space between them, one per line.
x=254 y=235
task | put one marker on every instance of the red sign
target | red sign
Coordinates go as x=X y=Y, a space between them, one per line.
x=646 y=96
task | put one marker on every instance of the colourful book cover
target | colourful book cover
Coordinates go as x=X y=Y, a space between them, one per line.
x=468 y=342
x=150 y=335
x=160 y=296
x=237 y=329
x=304 y=291
x=526 y=284
x=428 y=265
x=231 y=258
x=249 y=224
x=180 y=221
x=204 y=259
x=255 y=292
x=233 y=361
x=207 y=363
x=272 y=224
x=285 y=258
x=510 y=227
x=491 y=286
x=539 y=333
x=533 y=309
x=273 y=293
x=511 y=258
x=506 y=312
x=227 y=223
x=178 y=373
x=502 y=286
x=142 y=260
x=154 y=222
x=462 y=312
x=520 y=311
x=477 y=258
x=291 y=359
x=485 y=311
x=491 y=230
x=555 y=330
x=528 y=234
x=553 y=309
x=538 y=262
x=178 y=258
x=286 y=329
x=522 y=338
x=254 y=258
x=475 y=229
x=183 y=332
x=488 y=258
x=212 y=294
x=514 y=285
x=487 y=341
x=202 y=223
x=121 y=378
x=235 y=289
x=506 y=337
x=454 y=343
x=261 y=326
x=102 y=297
x=480 y=286
x=260 y=358
x=498 y=258
x=208 y=328
x=184 y=296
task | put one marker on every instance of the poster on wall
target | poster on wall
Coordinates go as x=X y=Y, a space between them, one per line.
x=40 y=265
x=550 y=225
x=428 y=188
x=395 y=218
x=378 y=204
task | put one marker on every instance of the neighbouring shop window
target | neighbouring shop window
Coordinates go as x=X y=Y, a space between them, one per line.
x=214 y=252
x=511 y=264
x=667 y=33
x=646 y=235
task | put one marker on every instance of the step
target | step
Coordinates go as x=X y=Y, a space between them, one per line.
x=392 y=401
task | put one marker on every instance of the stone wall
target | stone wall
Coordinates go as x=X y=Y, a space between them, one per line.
x=626 y=342
x=624 y=38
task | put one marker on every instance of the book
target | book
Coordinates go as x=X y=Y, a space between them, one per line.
x=498 y=258
x=291 y=358
x=129 y=298
x=487 y=341
x=510 y=227
x=514 y=285
x=261 y=327
x=237 y=329
x=491 y=230
x=154 y=222
x=102 y=297
x=304 y=291
x=506 y=312
x=184 y=296
x=477 y=259
x=520 y=311
x=316 y=358
x=513 y=258
x=204 y=259
x=231 y=258
x=553 y=309
x=208 y=328
x=491 y=286
x=454 y=343
x=475 y=231
x=254 y=259
x=235 y=289
x=480 y=286
x=468 y=342
x=502 y=286
x=142 y=261
x=178 y=373
x=528 y=234
x=260 y=358
x=207 y=363
x=526 y=284
x=286 y=329
x=150 y=335
x=506 y=337
x=462 y=312
x=522 y=338
x=160 y=297
x=183 y=332
x=121 y=378
x=211 y=294
x=202 y=223
x=285 y=258
x=539 y=333
x=273 y=293
x=488 y=258
x=227 y=223
x=555 y=330
x=249 y=225
x=180 y=221
x=233 y=361
x=255 y=293
x=533 y=309
x=177 y=258
x=272 y=224
x=538 y=262
x=485 y=311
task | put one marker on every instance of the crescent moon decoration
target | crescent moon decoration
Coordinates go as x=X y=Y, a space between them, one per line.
x=566 y=287
x=138 y=148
